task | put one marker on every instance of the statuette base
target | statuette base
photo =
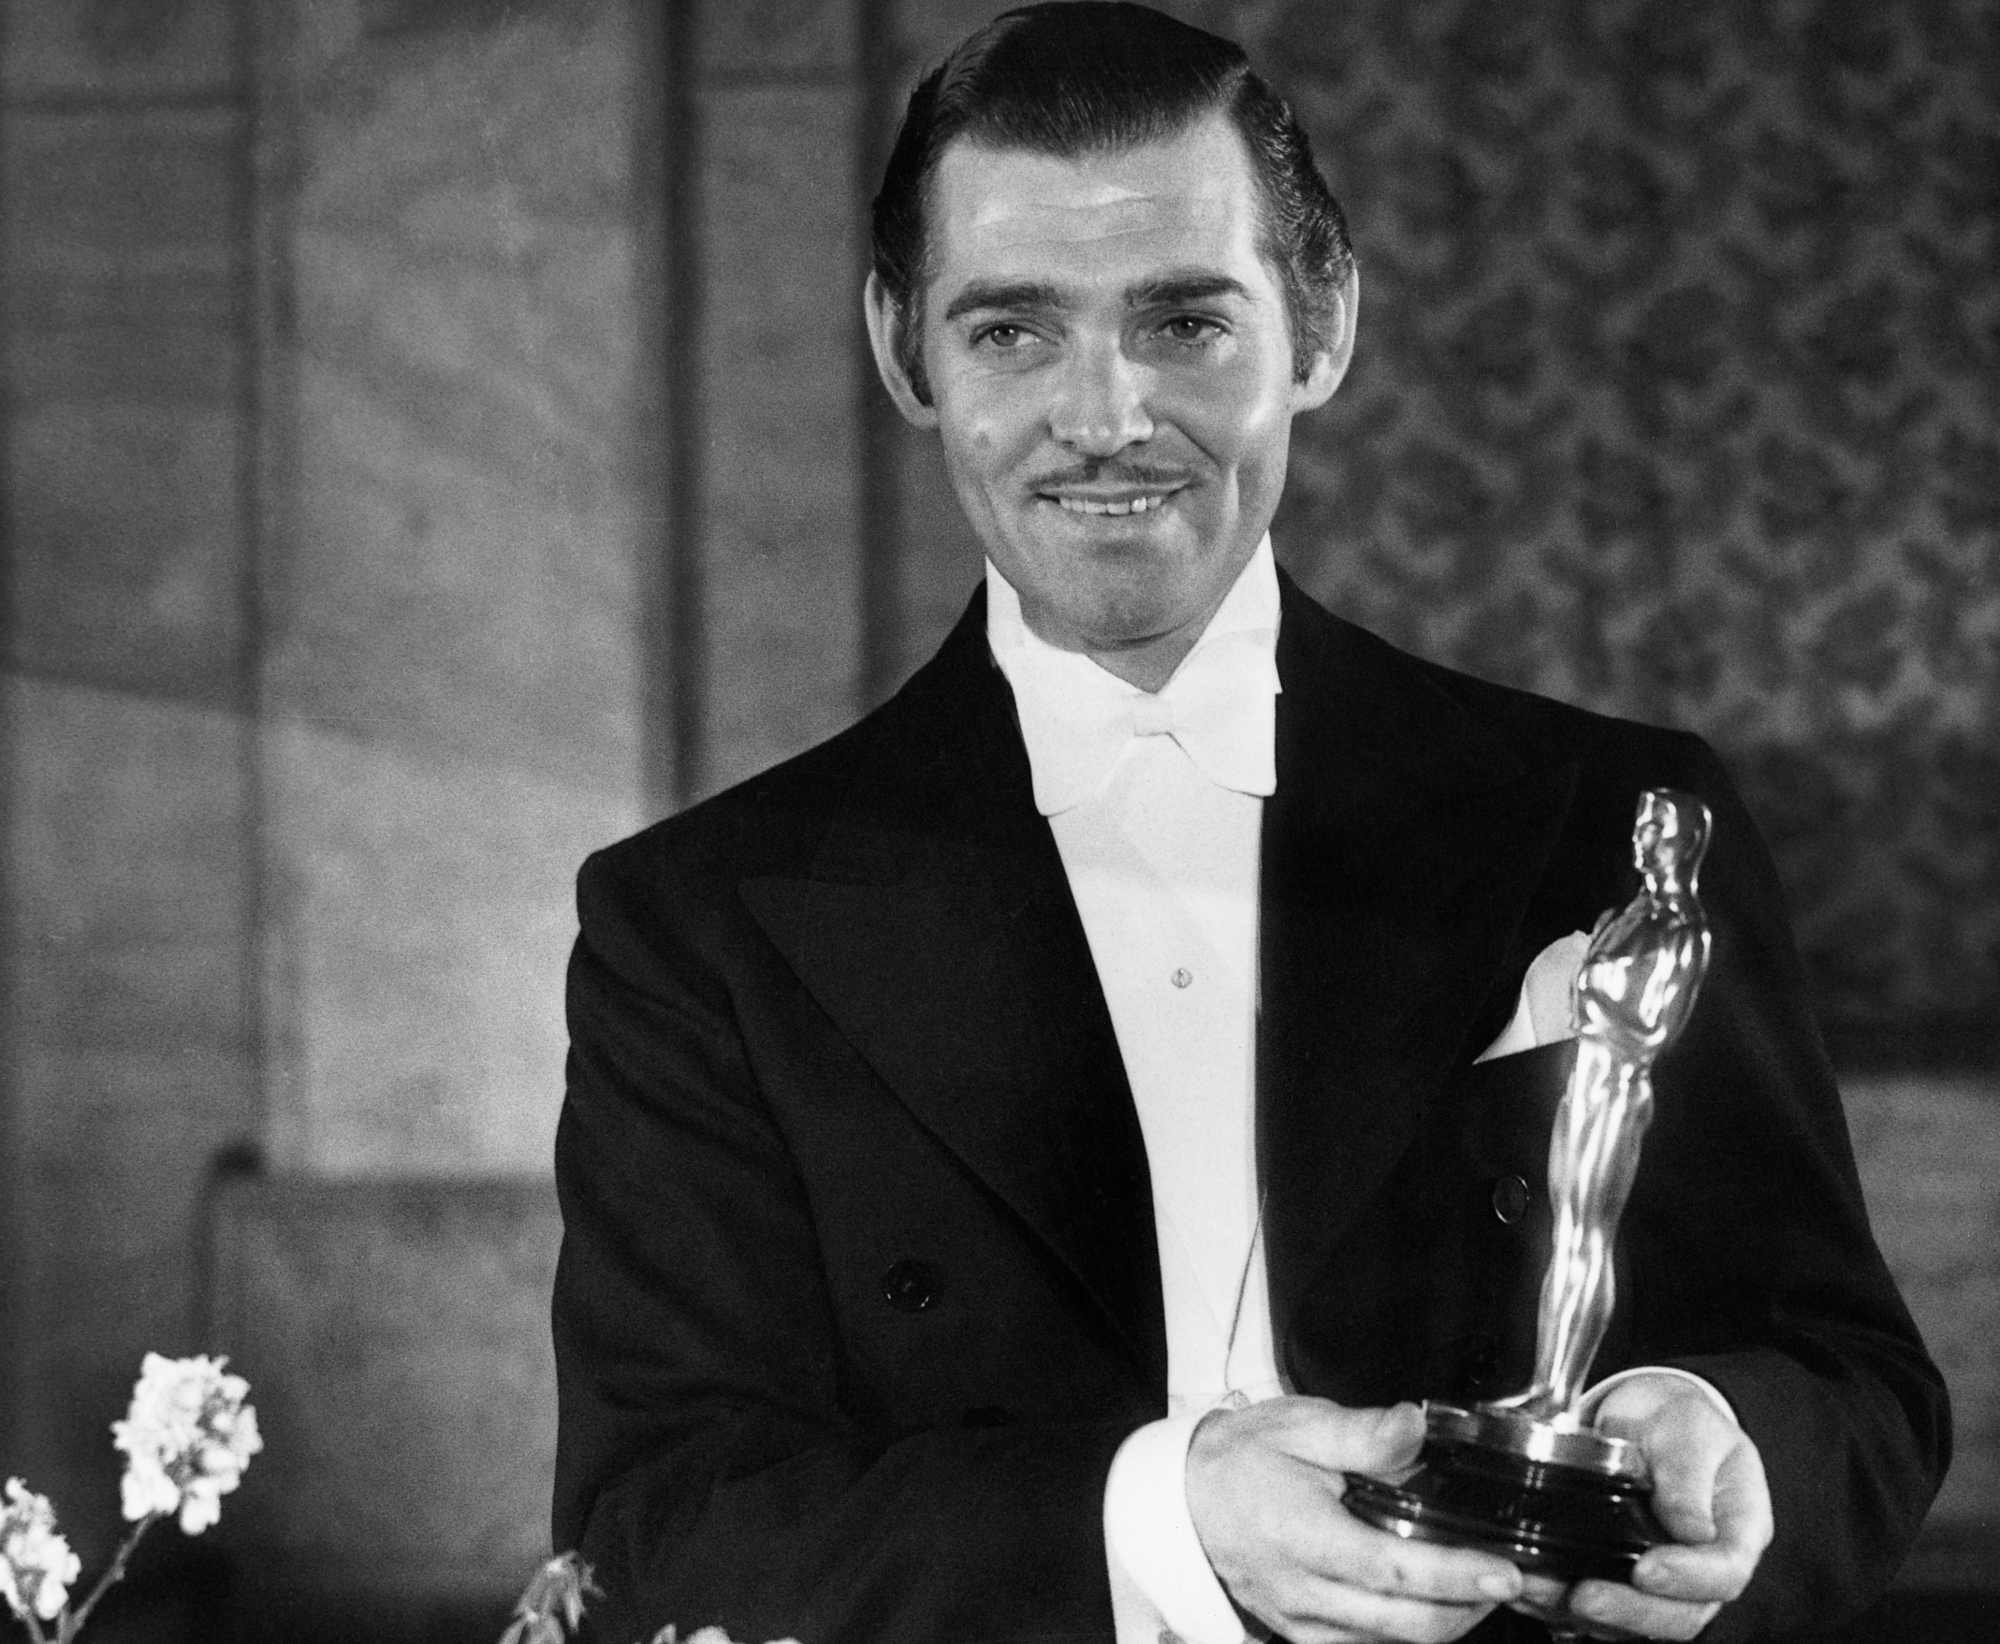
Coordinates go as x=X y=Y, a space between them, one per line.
x=1554 y=1500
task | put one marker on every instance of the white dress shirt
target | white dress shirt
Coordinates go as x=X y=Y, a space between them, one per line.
x=1162 y=861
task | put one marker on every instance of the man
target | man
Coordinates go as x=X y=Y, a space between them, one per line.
x=1019 y=1154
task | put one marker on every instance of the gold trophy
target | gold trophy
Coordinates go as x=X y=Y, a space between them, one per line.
x=1524 y=1476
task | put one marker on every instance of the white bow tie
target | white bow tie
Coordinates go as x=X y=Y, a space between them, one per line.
x=1219 y=706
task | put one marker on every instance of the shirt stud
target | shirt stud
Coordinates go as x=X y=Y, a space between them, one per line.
x=1182 y=977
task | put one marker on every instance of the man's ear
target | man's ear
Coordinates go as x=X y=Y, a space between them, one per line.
x=1330 y=364
x=886 y=327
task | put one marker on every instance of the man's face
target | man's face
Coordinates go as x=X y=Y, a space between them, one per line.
x=1112 y=377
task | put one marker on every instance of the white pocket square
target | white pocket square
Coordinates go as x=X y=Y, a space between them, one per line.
x=1546 y=1010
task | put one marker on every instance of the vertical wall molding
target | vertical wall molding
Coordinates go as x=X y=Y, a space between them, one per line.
x=776 y=520
x=881 y=517
x=676 y=702
x=12 y=1211
x=271 y=48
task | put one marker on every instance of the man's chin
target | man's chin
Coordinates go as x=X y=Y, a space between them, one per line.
x=1132 y=626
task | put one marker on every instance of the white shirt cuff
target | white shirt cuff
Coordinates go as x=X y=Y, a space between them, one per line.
x=1161 y=1586
x=1587 y=1407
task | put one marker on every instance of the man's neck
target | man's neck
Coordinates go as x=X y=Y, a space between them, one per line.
x=1146 y=664
x=1150 y=663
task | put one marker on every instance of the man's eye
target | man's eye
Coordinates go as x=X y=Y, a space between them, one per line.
x=1001 y=335
x=1191 y=328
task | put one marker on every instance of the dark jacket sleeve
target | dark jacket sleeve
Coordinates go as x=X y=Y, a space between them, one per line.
x=725 y=1455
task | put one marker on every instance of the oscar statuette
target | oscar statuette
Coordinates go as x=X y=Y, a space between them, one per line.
x=1524 y=1476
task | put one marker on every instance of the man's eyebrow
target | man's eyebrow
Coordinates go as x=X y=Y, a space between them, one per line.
x=983 y=294
x=1162 y=291
x=1196 y=287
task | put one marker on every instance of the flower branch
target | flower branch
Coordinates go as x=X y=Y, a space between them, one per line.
x=187 y=1438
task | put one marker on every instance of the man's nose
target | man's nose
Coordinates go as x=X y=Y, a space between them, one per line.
x=1100 y=402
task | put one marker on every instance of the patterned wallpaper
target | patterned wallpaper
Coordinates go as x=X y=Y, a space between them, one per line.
x=1676 y=397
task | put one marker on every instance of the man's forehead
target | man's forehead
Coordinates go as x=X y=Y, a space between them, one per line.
x=990 y=221
x=986 y=200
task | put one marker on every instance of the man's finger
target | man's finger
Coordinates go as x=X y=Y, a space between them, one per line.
x=1344 y=1613
x=1371 y=1560
x=1612 y=1610
x=1740 y=1529
x=1333 y=1549
x=1372 y=1594
x=1687 y=1449
x=1342 y=1439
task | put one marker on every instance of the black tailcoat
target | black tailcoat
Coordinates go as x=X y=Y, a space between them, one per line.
x=859 y=1290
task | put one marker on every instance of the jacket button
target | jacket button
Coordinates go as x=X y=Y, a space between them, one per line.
x=1510 y=1199
x=910 y=1287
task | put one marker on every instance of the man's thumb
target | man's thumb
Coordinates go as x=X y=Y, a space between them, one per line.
x=1376 y=1440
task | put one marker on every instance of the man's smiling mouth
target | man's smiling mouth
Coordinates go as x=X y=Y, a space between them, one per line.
x=1120 y=505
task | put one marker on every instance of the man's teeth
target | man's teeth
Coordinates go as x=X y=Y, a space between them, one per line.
x=1136 y=505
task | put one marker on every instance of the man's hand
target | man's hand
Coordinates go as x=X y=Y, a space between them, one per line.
x=1264 y=1487
x=1709 y=1494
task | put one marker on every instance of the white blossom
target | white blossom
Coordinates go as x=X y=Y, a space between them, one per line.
x=552 y=1606
x=37 y=1569
x=188 y=1435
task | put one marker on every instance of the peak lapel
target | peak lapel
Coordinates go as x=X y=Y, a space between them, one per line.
x=1400 y=853
x=936 y=929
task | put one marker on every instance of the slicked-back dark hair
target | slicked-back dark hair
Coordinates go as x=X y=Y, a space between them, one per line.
x=1080 y=77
